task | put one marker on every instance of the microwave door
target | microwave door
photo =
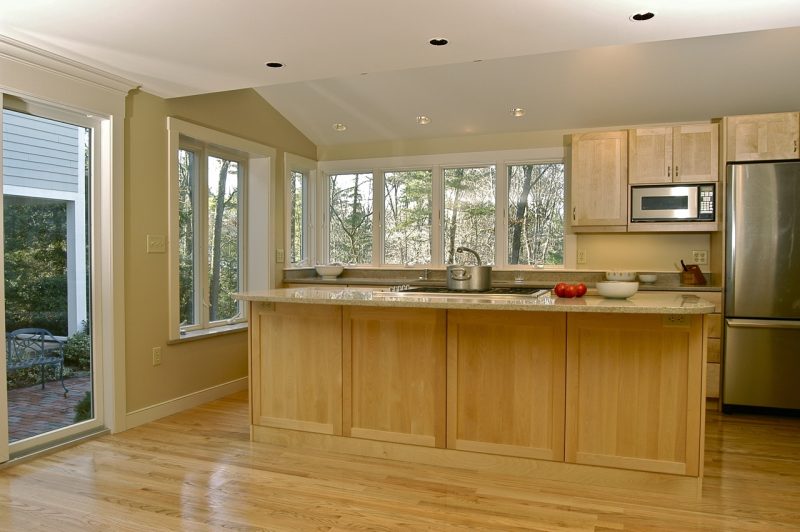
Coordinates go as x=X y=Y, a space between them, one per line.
x=665 y=203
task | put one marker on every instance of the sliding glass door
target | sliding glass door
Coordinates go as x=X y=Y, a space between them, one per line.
x=51 y=384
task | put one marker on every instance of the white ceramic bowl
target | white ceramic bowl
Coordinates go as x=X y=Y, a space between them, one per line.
x=329 y=271
x=617 y=289
x=621 y=276
x=648 y=277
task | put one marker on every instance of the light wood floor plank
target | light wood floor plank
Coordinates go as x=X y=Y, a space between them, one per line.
x=197 y=470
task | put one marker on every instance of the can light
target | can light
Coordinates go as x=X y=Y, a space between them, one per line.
x=517 y=111
x=339 y=126
x=423 y=120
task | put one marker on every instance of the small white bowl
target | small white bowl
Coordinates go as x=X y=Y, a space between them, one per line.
x=617 y=289
x=329 y=271
x=648 y=277
x=621 y=276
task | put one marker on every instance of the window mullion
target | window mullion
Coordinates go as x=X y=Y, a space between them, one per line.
x=437 y=208
x=379 y=222
x=202 y=242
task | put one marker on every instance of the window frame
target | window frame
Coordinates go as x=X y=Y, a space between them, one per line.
x=501 y=160
x=307 y=167
x=201 y=238
x=255 y=221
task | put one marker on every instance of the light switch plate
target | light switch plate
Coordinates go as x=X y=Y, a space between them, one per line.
x=156 y=244
x=279 y=256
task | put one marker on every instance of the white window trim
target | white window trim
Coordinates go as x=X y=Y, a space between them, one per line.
x=297 y=163
x=256 y=235
x=501 y=159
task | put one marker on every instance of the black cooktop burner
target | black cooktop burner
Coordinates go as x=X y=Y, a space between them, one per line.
x=513 y=290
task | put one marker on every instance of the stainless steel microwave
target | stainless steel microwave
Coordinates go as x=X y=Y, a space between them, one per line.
x=673 y=203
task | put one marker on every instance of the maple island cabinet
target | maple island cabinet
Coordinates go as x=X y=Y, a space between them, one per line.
x=536 y=387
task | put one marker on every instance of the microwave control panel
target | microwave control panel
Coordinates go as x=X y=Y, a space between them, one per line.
x=705 y=210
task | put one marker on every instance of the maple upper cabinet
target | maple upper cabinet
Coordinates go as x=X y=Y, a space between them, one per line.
x=763 y=137
x=677 y=154
x=599 y=181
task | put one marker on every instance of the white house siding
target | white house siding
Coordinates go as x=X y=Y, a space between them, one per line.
x=40 y=153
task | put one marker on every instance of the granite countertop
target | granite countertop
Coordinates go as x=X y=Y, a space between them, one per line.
x=640 y=303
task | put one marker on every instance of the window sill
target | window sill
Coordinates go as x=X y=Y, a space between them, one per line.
x=191 y=336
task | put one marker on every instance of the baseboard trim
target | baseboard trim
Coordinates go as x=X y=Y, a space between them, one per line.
x=179 y=404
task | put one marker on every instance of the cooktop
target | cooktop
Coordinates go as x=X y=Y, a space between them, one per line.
x=504 y=290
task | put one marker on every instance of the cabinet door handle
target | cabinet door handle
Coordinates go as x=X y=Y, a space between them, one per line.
x=795 y=146
x=676 y=171
x=573 y=214
x=669 y=171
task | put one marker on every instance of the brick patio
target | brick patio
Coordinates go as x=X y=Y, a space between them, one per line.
x=33 y=411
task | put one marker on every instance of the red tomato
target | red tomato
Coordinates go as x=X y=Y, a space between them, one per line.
x=580 y=289
x=570 y=291
x=559 y=289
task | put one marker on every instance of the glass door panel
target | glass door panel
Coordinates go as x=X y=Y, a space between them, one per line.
x=49 y=382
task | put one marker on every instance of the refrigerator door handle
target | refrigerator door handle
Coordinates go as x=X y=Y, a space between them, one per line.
x=762 y=324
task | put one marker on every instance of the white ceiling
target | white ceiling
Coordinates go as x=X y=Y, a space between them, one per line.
x=368 y=64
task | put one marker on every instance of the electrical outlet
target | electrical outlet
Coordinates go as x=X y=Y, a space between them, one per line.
x=581 y=256
x=279 y=256
x=700 y=257
x=675 y=320
x=156 y=244
x=156 y=356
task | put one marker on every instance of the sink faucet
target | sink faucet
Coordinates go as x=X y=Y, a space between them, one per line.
x=462 y=249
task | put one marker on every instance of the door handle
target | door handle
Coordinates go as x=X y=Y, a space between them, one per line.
x=762 y=324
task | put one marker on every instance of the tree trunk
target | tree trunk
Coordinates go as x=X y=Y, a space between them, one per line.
x=451 y=236
x=519 y=213
x=216 y=249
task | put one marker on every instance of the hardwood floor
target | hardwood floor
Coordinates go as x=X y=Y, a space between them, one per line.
x=198 y=471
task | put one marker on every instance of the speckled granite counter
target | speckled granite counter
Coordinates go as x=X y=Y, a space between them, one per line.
x=640 y=303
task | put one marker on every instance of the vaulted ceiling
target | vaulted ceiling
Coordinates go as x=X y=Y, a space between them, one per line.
x=368 y=64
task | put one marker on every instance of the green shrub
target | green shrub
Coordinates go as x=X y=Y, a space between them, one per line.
x=83 y=410
x=78 y=350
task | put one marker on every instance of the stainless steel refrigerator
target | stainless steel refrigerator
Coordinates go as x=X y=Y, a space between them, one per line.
x=761 y=357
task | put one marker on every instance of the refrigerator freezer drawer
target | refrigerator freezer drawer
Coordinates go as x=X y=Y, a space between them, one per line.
x=762 y=363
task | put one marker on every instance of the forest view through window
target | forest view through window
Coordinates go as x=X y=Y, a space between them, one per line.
x=407 y=217
x=469 y=212
x=536 y=214
x=350 y=208
x=209 y=237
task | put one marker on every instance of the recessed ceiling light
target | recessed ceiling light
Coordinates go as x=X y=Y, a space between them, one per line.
x=274 y=64
x=438 y=41
x=639 y=17
x=517 y=111
x=339 y=127
x=423 y=120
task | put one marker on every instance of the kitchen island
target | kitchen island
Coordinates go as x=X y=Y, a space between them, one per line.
x=592 y=390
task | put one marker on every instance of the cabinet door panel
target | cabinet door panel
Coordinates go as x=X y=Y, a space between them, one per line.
x=650 y=159
x=696 y=153
x=634 y=388
x=763 y=137
x=394 y=375
x=505 y=387
x=297 y=379
x=599 y=179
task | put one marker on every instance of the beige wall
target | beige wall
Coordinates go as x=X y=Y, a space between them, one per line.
x=189 y=366
x=641 y=252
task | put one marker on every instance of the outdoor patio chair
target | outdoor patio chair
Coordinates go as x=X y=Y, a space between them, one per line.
x=26 y=348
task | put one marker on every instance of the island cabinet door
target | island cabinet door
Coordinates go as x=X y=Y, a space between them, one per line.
x=394 y=375
x=505 y=383
x=635 y=392
x=296 y=366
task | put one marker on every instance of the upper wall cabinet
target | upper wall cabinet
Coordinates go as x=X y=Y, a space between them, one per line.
x=679 y=154
x=763 y=137
x=598 y=181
